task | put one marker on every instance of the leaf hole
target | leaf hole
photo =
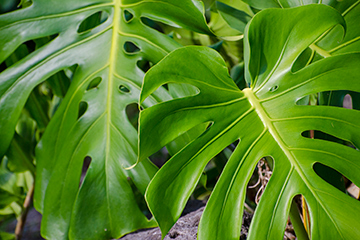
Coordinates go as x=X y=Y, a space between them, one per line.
x=144 y=65
x=92 y=21
x=274 y=88
x=330 y=175
x=131 y=48
x=124 y=89
x=316 y=134
x=85 y=168
x=82 y=109
x=302 y=60
x=152 y=24
x=94 y=83
x=128 y=16
x=132 y=112
x=339 y=98
x=10 y=6
x=299 y=213
x=259 y=179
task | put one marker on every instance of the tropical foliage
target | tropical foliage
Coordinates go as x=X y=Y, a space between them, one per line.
x=73 y=74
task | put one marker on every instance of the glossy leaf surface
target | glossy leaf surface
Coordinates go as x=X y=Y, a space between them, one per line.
x=102 y=42
x=267 y=121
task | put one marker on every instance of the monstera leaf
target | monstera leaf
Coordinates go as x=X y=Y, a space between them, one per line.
x=106 y=62
x=267 y=120
x=333 y=41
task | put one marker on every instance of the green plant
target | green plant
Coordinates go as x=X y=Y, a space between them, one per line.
x=100 y=47
x=71 y=70
x=268 y=119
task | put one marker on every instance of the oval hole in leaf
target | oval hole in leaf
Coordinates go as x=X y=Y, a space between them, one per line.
x=152 y=24
x=347 y=103
x=274 y=88
x=124 y=89
x=315 y=134
x=330 y=175
x=85 y=168
x=132 y=113
x=82 y=108
x=303 y=60
x=92 y=21
x=144 y=65
x=131 y=48
x=94 y=83
x=128 y=16
x=258 y=181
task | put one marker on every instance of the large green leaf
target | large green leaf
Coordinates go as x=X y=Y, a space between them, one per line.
x=91 y=120
x=267 y=121
x=334 y=41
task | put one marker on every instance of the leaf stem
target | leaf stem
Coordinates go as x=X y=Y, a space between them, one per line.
x=21 y=222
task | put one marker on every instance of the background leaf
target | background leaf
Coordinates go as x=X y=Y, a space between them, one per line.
x=100 y=46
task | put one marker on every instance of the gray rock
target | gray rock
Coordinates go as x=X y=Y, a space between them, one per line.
x=184 y=229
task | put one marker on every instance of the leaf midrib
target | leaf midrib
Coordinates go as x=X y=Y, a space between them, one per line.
x=112 y=64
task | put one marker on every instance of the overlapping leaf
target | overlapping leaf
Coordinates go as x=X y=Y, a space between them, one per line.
x=91 y=120
x=333 y=41
x=267 y=121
